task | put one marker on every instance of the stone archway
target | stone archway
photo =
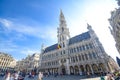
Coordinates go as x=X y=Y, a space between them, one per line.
x=82 y=70
x=71 y=70
x=102 y=68
x=63 y=70
x=76 y=70
x=88 y=69
x=95 y=68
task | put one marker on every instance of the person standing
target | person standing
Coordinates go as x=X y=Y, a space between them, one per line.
x=40 y=76
x=16 y=75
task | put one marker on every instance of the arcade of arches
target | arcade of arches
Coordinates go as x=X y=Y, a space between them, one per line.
x=80 y=69
x=84 y=69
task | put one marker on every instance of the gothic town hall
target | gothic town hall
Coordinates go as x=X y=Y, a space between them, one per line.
x=80 y=54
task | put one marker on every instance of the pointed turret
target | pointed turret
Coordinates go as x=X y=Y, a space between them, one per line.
x=89 y=27
x=42 y=48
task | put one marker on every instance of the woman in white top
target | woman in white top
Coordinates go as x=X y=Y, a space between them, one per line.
x=40 y=76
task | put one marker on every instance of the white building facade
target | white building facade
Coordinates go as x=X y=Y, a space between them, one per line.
x=115 y=26
x=75 y=55
x=31 y=62
x=7 y=62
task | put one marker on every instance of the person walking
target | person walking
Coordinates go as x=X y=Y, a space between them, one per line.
x=12 y=77
x=40 y=76
x=110 y=76
x=7 y=76
x=16 y=75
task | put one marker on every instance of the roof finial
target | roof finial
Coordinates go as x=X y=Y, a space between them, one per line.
x=60 y=10
x=89 y=27
x=61 y=13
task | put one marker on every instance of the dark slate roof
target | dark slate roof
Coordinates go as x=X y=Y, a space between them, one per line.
x=72 y=40
x=50 y=48
x=79 y=38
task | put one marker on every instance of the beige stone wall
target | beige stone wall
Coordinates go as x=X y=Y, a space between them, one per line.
x=5 y=61
x=29 y=63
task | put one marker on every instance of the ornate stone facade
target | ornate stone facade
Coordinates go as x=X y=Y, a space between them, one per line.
x=6 y=62
x=76 y=55
x=29 y=63
x=115 y=26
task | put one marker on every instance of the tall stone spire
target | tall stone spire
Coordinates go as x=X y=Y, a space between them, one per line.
x=62 y=19
x=63 y=31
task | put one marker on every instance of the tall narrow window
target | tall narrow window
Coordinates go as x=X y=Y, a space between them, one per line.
x=83 y=57
x=86 y=56
x=79 y=57
x=87 y=46
x=77 y=49
x=90 y=56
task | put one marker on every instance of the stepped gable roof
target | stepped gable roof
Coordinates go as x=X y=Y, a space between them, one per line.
x=75 y=39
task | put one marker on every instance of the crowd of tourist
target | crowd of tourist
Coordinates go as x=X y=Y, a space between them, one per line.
x=14 y=75
x=20 y=75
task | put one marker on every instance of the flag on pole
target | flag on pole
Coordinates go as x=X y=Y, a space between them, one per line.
x=58 y=46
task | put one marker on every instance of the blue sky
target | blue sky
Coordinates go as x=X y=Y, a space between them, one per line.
x=26 y=24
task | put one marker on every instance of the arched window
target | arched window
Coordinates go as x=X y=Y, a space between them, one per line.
x=83 y=47
x=63 y=51
x=87 y=47
x=63 y=44
x=83 y=57
x=74 y=50
x=90 y=56
x=77 y=49
x=62 y=29
x=86 y=56
x=94 y=55
x=79 y=57
x=76 y=58
x=80 y=48
x=90 y=45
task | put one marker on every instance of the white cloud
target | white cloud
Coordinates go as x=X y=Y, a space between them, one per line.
x=27 y=51
x=96 y=13
x=6 y=22
x=35 y=30
x=7 y=46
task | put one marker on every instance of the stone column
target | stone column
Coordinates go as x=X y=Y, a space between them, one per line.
x=68 y=69
x=80 y=72
x=91 y=69
x=77 y=59
x=108 y=67
x=88 y=56
x=69 y=60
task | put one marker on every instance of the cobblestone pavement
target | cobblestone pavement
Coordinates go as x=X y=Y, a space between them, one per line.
x=71 y=77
